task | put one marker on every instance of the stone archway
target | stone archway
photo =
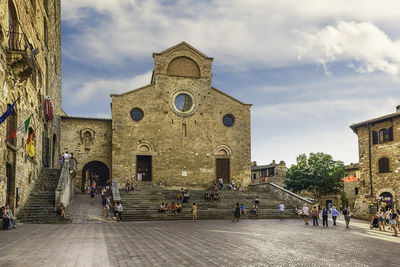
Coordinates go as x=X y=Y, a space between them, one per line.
x=95 y=171
x=386 y=198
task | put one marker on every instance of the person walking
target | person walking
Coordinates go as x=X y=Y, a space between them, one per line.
x=393 y=222
x=315 y=215
x=281 y=210
x=335 y=214
x=194 y=212
x=118 y=210
x=93 y=190
x=347 y=215
x=324 y=216
x=381 y=220
x=306 y=214
x=236 y=213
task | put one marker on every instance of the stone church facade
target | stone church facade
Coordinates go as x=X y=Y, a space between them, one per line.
x=379 y=155
x=179 y=130
x=30 y=69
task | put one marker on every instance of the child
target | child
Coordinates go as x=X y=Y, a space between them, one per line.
x=194 y=212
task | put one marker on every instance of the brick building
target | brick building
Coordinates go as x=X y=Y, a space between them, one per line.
x=30 y=69
x=178 y=130
x=379 y=154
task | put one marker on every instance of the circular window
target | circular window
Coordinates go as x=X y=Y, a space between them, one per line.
x=137 y=114
x=228 y=120
x=183 y=102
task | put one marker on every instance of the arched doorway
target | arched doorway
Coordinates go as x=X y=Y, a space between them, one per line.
x=95 y=171
x=386 y=200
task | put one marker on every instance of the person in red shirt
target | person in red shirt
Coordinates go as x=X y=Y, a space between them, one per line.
x=172 y=208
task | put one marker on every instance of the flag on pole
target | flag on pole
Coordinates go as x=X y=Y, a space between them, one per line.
x=8 y=112
x=30 y=145
x=22 y=129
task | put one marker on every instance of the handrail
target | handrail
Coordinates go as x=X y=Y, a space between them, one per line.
x=115 y=191
x=291 y=193
x=65 y=186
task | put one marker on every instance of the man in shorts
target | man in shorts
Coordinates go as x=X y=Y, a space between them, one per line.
x=306 y=214
x=281 y=210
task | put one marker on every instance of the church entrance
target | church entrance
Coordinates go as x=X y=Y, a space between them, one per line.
x=143 y=168
x=223 y=170
x=95 y=171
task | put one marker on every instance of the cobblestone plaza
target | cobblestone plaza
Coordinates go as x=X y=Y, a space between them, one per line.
x=202 y=243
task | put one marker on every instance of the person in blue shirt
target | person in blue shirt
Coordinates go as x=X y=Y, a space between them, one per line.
x=324 y=216
x=335 y=214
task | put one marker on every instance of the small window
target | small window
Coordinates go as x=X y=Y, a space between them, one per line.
x=137 y=114
x=228 y=120
x=383 y=165
x=383 y=136
x=184 y=130
x=263 y=172
x=374 y=137
x=356 y=191
x=253 y=176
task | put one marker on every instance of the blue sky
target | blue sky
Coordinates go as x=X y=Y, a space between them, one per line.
x=310 y=68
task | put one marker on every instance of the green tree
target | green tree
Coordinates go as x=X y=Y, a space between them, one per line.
x=318 y=173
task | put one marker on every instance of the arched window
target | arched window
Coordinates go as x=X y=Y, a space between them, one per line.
x=374 y=137
x=383 y=165
x=383 y=136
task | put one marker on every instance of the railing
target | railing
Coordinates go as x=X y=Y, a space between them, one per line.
x=282 y=194
x=115 y=191
x=65 y=187
x=17 y=41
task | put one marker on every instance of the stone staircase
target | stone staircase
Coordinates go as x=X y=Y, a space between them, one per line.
x=39 y=207
x=144 y=202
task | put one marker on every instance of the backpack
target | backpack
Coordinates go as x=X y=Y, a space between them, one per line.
x=104 y=201
x=344 y=212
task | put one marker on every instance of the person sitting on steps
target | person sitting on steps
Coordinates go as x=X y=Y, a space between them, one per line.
x=172 y=207
x=61 y=210
x=178 y=207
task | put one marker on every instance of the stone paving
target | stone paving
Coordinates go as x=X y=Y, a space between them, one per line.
x=202 y=243
x=92 y=240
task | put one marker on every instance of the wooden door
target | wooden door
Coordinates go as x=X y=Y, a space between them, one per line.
x=223 y=170
x=143 y=168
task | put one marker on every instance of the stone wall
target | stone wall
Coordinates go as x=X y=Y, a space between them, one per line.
x=98 y=148
x=30 y=68
x=184 y=147
x=381 y=182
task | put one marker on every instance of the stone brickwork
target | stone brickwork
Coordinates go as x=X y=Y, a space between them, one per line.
x=184 y=145
x=30 y=68
x=370 y=154
x=97 y=148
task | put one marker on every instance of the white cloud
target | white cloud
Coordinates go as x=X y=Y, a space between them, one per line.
x=236 y=34
x=106 y=87
x=362 y=42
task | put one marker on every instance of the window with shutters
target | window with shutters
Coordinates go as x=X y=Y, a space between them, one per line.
x=374 y=137
x=383 y=165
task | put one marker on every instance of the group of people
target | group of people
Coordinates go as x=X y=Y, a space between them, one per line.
x=220 y=185
x=184 y=195
x=65 y=156
x=388 y=218
x=170 y=208
x=240 y=209
x=8 y=218
x=213 y=195
x=305 y=213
